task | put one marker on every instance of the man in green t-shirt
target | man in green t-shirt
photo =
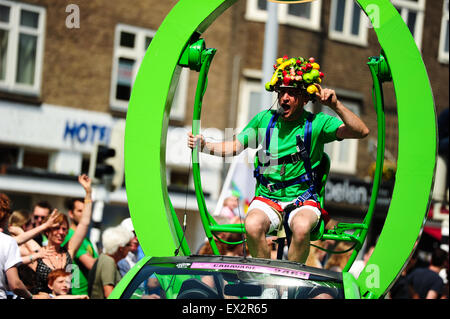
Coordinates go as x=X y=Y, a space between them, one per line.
x=85 y=256
x=282 y=134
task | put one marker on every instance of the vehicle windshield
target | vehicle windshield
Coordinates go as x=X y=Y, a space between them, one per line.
x=229 y=281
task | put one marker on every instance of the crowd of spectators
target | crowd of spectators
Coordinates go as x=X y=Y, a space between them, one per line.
x=46 y=254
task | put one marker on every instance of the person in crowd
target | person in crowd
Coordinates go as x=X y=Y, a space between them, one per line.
x=224 y=248
x=313 y=259
x=9 y=257
x=86 y=255
x=20 y=228
x=228 y=211
x=283 y=168
x=359 y=265
x=444 y=293
x=338 y=261
x=272 y=243
x=105 y=275
x=59 y=283
x=20 y=222
x=135 y=252
x=61 y=256
x=21 y=218
x=22 y=237
x=41 y=211
x=425 y=281
x=401 y=288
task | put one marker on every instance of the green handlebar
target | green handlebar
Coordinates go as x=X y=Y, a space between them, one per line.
x=206 y=57
x=379 y=69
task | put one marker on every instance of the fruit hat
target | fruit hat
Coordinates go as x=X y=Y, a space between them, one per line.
x=296 y=72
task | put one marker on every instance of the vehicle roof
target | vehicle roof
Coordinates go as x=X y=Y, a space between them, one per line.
x=283 y=264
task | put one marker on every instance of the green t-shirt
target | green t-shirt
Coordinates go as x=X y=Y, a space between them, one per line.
x=79 y=278
x=283 y=142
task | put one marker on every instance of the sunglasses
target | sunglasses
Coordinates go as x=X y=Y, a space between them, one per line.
x=290 y=91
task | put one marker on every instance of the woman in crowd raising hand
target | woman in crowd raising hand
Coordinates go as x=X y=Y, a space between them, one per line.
x=60 y=257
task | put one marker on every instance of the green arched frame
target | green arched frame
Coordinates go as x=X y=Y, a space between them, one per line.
x=147 y=120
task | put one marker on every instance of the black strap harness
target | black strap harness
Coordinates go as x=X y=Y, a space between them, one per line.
x=302 y=154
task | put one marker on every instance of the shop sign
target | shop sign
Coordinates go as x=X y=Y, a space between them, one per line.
x=354 y=192
x=53 y=127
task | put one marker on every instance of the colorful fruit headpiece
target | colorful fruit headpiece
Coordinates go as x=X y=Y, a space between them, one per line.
x=296 y=72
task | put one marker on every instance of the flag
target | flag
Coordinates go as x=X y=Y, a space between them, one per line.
x=239 y=182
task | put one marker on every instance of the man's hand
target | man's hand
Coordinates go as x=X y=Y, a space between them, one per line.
x=353 y=126
x=195 y=140
x=86 y=182
x=327 y=97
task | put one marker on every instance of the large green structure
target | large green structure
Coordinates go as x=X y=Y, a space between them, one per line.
x=154 y=218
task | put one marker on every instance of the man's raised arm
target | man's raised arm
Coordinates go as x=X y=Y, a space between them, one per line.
x=353 y=126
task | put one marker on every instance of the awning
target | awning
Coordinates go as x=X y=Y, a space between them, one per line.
x=434 y=232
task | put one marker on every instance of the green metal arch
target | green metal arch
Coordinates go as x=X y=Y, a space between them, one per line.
x=416 y=151
x=147 y=123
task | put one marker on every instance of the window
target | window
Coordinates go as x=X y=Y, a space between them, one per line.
x=8 y=156
x=250 y=102
x=21 y=47
x=348 y=23
x=131 y=43
x=343 y=154
x=412 y=12
x=443 y=41
x=303 y=15
x=129 y=50
x=36 y=159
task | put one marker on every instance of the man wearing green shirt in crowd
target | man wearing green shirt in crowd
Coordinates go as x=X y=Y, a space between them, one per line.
x=86 y=255
x=282 y=134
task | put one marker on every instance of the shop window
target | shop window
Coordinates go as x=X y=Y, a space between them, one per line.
x=35 y=159
x=8 y=156
x=21 y=47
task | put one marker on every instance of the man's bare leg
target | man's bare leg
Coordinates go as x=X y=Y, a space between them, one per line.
x=256 y=226
x=301 y=226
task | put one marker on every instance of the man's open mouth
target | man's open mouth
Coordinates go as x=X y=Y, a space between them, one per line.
x=285 y=107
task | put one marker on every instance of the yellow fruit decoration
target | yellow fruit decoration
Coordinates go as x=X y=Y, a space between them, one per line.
x=315 y=66
x=274 y=79
x=312 y=89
